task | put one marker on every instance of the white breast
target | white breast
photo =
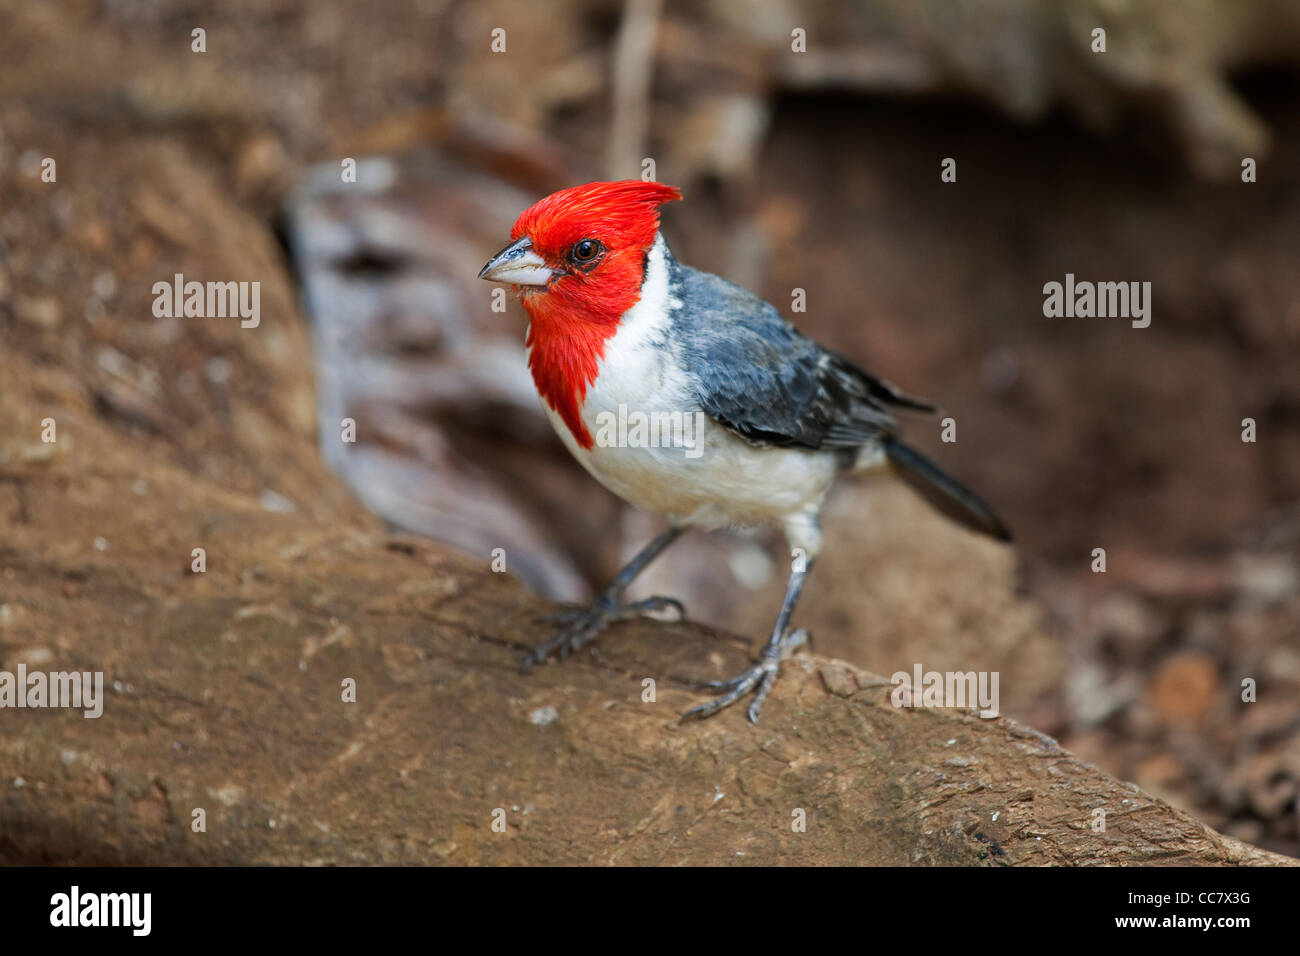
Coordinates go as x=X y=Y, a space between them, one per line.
x=701 y=473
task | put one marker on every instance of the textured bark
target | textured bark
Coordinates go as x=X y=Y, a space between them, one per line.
x=229 y=700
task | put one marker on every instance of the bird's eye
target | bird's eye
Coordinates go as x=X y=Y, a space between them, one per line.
x=586 y=251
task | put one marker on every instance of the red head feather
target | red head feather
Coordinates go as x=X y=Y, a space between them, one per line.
x=575 y=314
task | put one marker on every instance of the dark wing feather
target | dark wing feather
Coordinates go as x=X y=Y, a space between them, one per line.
x=756 y=374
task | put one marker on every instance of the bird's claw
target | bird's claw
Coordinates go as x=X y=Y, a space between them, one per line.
x=580 y=627
x=759 y=679
x=567 y=616
x=584 y=624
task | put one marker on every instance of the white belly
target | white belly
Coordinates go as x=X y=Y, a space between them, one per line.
x=656 y=449
x=719 y=480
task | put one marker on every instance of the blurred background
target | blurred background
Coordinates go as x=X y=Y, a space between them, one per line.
x=807 y=138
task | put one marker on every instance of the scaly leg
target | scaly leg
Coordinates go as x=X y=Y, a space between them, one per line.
x=583 y=625
x=760 y=678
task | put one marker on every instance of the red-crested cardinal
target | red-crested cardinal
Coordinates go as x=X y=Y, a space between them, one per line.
x=621 y=332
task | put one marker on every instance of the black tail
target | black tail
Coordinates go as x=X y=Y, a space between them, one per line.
x=948 y=495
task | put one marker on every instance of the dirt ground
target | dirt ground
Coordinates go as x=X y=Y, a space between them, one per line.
x=1085 y=433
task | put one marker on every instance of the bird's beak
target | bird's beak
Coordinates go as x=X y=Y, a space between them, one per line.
x=518 y=264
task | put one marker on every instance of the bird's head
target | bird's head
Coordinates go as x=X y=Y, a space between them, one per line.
x=582 y=247
x=577 y=262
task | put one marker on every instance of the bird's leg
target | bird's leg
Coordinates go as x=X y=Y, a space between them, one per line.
x=760 y=678
x=583 y=625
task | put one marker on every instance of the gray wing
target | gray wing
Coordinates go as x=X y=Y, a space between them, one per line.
x=756 y=374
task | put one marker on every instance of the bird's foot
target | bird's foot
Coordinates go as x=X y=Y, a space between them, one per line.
x=757 y=680
x=581 y=626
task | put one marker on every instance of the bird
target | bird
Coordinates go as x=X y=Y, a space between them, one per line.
x=618 y=327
